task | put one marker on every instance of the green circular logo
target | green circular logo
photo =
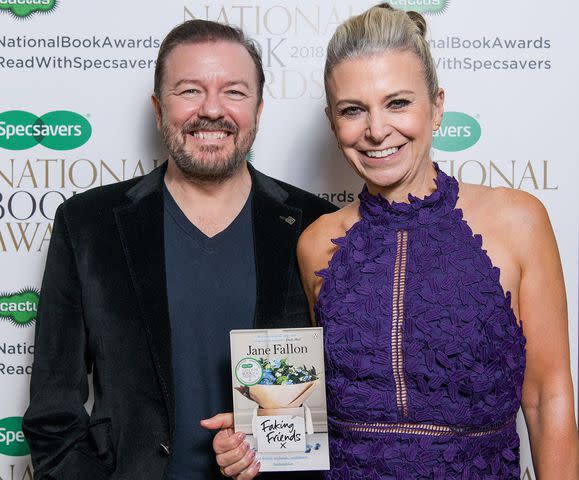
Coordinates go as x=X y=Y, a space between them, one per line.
x=458 y=131
x=12 y=441
x=248 y=371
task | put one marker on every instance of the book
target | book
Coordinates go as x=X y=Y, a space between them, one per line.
x=279 y=396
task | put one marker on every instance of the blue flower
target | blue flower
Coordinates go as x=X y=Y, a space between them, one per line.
x=267 y=378
x=275 y=363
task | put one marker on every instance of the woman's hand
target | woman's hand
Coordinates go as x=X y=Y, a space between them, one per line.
x=232 y=453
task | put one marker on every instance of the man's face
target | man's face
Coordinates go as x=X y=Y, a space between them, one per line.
x=209 y=111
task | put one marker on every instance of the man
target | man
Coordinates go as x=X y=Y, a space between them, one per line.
x=145 y=278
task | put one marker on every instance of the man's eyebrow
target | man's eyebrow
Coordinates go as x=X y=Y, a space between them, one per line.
x=230 y=83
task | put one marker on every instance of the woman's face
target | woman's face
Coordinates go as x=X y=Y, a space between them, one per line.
x=383 y=117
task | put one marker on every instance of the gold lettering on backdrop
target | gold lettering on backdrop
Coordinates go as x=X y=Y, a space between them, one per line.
x=46 y=175
x=267 y=24
x=292 y=84
x=72 y=170
x=2 y=244
x=546 y=177
x=278 y=19
x=30 y=174
x=116 y=177
x=26 y=474
x=140 y=171
x=522 y=174
x=25 y=236
x=529 y=168
x=63 y=173
x=334 y=20
x=222 y=17
x=479 y=164
x=46 y=237
x=188 y=14
x=10 y=179
x=306 y=18
x=509 y=181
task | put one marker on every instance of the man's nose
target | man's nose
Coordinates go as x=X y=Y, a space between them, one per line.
x=211 y=106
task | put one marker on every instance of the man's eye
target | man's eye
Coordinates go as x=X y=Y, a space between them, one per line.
x=190 y=91
x=236 y=93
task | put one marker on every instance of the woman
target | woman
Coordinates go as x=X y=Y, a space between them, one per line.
x=425 y=355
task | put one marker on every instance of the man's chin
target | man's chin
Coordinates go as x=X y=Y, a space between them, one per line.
x=212 y=171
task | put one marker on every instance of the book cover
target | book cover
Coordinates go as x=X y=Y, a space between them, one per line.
x=279 y=396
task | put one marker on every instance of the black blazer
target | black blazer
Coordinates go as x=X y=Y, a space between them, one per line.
x=103 y=309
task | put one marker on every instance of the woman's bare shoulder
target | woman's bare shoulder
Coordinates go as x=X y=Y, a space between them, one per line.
x=315 y=246
x=506 y=206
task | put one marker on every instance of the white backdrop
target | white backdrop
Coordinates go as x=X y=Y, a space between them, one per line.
x=508 y=68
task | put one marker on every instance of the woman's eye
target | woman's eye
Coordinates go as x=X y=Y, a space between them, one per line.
x=350 y=111
x=398 y=103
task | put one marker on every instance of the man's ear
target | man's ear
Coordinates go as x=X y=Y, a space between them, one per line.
x=258 y=114
x=158 y=111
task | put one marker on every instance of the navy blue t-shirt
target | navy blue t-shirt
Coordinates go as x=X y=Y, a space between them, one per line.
x=211 y=290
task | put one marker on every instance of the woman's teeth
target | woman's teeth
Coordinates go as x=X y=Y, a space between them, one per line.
x=381 y=153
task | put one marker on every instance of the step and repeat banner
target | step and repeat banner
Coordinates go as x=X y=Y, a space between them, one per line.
x=75 y=85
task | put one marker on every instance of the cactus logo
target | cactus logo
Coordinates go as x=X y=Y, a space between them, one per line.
x=458 y=131
x=58 y=130
x=421 y=6
x=19 y=308
x=25 y=8
x=12 y=441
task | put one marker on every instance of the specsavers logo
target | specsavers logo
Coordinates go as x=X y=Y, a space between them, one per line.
x=19 y=308
x=458 y=131
x=25 y=8
x=12 y=441
x=421 y=6
x=58 y=130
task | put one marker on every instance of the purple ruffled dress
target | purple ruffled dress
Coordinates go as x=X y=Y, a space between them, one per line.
x=424 y=356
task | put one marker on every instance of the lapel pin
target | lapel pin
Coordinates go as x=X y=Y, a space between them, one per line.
x=290 y=220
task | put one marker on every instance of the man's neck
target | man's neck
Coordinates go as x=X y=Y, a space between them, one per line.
x=210 y=206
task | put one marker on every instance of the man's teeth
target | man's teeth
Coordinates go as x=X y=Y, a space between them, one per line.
x=210 y=135
x=381 y=153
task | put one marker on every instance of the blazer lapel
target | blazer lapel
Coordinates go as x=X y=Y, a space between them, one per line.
x=276 y=228
x=141 y=228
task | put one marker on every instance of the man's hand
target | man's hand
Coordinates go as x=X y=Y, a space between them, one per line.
x=233 y=455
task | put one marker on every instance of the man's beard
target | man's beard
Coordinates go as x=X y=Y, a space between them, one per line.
x=215 y=167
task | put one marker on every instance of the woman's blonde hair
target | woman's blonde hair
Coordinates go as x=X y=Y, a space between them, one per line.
x=379 y=29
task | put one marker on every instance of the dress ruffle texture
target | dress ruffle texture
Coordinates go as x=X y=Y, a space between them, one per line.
x=461 y=359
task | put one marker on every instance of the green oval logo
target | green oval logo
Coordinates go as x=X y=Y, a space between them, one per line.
x=63 y=130
x=24 y=8
x=12 y=441
x=58 y=130
x=421 y=6
x=16 y=130
x=458 y=131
